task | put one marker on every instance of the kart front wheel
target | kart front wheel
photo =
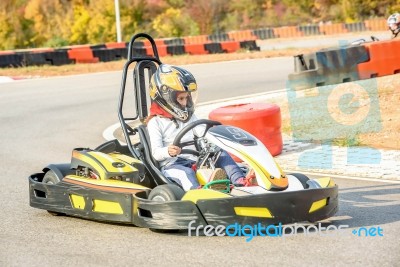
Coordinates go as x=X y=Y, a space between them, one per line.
x=166 y=192
x=51 y=178
x=305 y=181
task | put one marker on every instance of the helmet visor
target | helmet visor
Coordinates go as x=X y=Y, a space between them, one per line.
x=182 y=104
x=182 y=99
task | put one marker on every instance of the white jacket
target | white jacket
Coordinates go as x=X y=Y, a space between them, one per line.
x=162 y=132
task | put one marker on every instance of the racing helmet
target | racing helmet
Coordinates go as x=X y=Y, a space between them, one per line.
x=166 y=84
x=393 y=23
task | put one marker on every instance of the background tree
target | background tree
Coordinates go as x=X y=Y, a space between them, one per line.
x=80 y=21
x=174 y=23
x=207 y=14
x=11 y=25
x=47 y=18
x=39 y=23
x=136 y=16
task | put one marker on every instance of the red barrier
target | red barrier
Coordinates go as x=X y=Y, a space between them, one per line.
x=199 y=39
x=384 y=59
x=246 y=35
x=116 y=45
x=230 y=46
x=286 y=32
x=376 y=25
x=82 y=55
x=260 y=119
x=158 y=42
x=45 y=49
x=334 y=28
x=7 y=52
x=162 y=50
x=195 y=49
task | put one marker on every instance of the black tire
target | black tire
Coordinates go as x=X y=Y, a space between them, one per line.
x=51 y=178
x=166 y=192
x=303 y=179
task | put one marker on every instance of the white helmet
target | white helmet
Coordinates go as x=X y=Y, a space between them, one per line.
x=393 y=23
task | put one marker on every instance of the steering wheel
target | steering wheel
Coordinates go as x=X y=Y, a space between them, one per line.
x=187 y=128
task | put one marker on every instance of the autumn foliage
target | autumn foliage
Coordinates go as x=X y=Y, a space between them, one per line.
x=55 y=23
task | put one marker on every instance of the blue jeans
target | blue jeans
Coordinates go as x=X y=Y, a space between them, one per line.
x=182 y=173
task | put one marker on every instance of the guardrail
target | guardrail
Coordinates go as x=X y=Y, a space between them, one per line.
x=194 y=45
x=345 y=64
x=116 y=51
x=384 y=59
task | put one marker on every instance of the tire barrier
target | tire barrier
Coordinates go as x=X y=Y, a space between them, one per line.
x=230 y=47
x=174 y=41
x=220 y=37
x=10 y=60
x=355 y=27
x=263 y=34
x=202 y=44
x=116 y=45
x=249 y=45
x=384 y=59
x=335 y=28
x=20 y=59
x=242 y=35
x=309 y=30
x=288 y=31
x=214 y=48
x=116 y=51
x=195 y=49
x=112 y=54
x=200 y=39
x=175 y=50
x=35 y=59
x=376 y=25
x=82 y=55
x=259 y=119
x=58 y=57
x=327 y=67
x=345 y=64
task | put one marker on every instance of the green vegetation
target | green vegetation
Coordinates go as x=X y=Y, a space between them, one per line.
x=41 y=23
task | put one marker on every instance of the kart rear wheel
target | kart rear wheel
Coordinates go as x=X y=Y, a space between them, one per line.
x=166 y=192
x=51 y=178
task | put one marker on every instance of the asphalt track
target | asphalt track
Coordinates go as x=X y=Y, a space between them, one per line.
x=42 y=120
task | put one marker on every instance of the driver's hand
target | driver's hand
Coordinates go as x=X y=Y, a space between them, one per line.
x=173 y=151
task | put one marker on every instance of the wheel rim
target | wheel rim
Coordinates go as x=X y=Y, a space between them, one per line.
x=159 y=198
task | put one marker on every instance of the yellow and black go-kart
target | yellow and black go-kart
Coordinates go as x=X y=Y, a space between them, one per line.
x=123 y=184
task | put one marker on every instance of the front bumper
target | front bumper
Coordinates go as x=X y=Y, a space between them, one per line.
x=134 y=208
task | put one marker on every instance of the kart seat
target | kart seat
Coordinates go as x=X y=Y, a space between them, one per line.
x=151 y=164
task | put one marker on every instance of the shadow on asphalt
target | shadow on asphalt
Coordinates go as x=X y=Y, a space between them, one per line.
x=368 y=205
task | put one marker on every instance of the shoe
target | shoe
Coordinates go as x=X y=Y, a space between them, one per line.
x=249 y=180
x=217 y=175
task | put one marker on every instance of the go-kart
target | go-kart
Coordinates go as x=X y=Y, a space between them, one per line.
x=122 y=183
